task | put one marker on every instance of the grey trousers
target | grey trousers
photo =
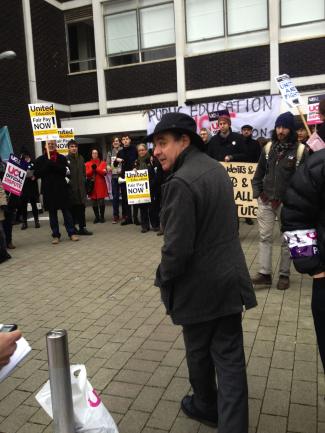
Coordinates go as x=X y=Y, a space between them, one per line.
x=266 y=219
x=215 y=348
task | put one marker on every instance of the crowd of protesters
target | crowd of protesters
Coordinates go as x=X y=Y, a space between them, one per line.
x=67 y=183
x=202 y=276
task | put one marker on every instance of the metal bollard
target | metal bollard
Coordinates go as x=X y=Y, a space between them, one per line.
x=60 y=380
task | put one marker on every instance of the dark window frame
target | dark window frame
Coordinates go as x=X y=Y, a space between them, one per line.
x=69 y=61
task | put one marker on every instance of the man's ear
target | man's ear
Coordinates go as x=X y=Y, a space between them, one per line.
x=186 y=141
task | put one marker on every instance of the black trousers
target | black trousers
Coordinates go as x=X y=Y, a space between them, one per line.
x=215 y=348
x=318 y=310
x=149 y=215
x=126 y=208
x=23 y=208
x=78 y=215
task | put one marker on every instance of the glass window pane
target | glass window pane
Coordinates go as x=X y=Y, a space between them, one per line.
x=157 y=26
x=81 y=45
x=297 y=11
x=204 y=20
x=246 y=15
x=160 y=53
x=121 y=32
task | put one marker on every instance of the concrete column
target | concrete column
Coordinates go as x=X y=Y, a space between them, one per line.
x=30 y=62
x=99 y=34
x=274 y=26
x=180 y=50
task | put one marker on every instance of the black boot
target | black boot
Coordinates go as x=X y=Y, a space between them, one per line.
x=96 y=212
x=37 y=224
x=102 y=213
x=24 y=225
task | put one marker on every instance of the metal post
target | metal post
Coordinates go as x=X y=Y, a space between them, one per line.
x=60 y=380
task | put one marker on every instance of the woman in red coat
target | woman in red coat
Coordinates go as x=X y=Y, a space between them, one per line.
x=96 y=170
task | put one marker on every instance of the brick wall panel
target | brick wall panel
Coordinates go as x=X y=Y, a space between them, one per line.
x=141 y=80
x=302 y=58
x=225 y=68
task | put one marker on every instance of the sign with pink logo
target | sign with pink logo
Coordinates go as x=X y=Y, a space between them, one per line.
x=15 y=175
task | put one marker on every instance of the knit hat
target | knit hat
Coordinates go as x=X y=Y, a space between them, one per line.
x=286 y=120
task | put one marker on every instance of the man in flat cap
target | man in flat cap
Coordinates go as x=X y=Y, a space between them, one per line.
x=202 y=276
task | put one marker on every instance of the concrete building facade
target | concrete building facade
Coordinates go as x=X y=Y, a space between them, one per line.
x=104 y=63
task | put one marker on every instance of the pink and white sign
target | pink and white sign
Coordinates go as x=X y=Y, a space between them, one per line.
x=15 y=175
x=313 y=114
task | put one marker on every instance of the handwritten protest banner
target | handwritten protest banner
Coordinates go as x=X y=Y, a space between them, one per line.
x=65 y=135
x=43 y=121
x=260 y=112
x=15 y=175
x=137 y=186
x=241 y=175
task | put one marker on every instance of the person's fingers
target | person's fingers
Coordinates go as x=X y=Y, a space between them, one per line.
x=15 y=335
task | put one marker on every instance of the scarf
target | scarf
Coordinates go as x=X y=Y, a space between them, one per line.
x=143 y=162
x=53 y=155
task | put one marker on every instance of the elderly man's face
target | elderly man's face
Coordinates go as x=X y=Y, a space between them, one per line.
x=168 y=148
x=51 y=144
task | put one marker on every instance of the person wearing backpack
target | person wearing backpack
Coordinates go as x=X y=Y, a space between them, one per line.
x=276 y=166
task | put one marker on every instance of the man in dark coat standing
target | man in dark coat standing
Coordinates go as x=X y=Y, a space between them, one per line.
x=78 y=195
x=127 y=157
x=202 y=276
x=54 y=172
x=226 y=145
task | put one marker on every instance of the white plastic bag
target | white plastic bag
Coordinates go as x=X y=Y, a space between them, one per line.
x=90 y=414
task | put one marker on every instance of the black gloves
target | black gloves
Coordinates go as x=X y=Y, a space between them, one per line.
x=94 y=166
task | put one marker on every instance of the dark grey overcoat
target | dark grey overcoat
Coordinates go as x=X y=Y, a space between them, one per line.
x=203 y=273
x=77 y=168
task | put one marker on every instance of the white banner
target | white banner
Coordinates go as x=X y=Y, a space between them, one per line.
x=260 y=112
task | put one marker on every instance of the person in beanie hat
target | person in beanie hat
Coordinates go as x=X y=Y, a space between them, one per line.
x=276 y=166
x=202 y=275
x=226 y=145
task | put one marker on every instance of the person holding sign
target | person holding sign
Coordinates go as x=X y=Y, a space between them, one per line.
x=149 y=211
x=4 y=255
x=303 y=224
x=276 y=166
x=52 y=168
x=202 y=276
x=126 y=157
x=30 y=192
x=96 y=169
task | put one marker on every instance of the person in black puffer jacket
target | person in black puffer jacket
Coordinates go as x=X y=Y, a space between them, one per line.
x=303 y=224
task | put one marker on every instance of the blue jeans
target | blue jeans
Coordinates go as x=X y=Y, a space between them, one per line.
x=116 y=196
x=54 y=222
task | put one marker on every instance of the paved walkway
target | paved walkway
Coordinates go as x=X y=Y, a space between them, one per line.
x=101 y=290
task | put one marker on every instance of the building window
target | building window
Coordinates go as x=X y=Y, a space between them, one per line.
x=81 y=45
x=204 y=20
x=295 y=12
x=140 y=35
x=216 y=18
x=245 y=16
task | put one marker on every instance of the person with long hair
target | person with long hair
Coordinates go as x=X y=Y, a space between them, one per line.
x=116 y=172
x=96 y=170
x=275 y=168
